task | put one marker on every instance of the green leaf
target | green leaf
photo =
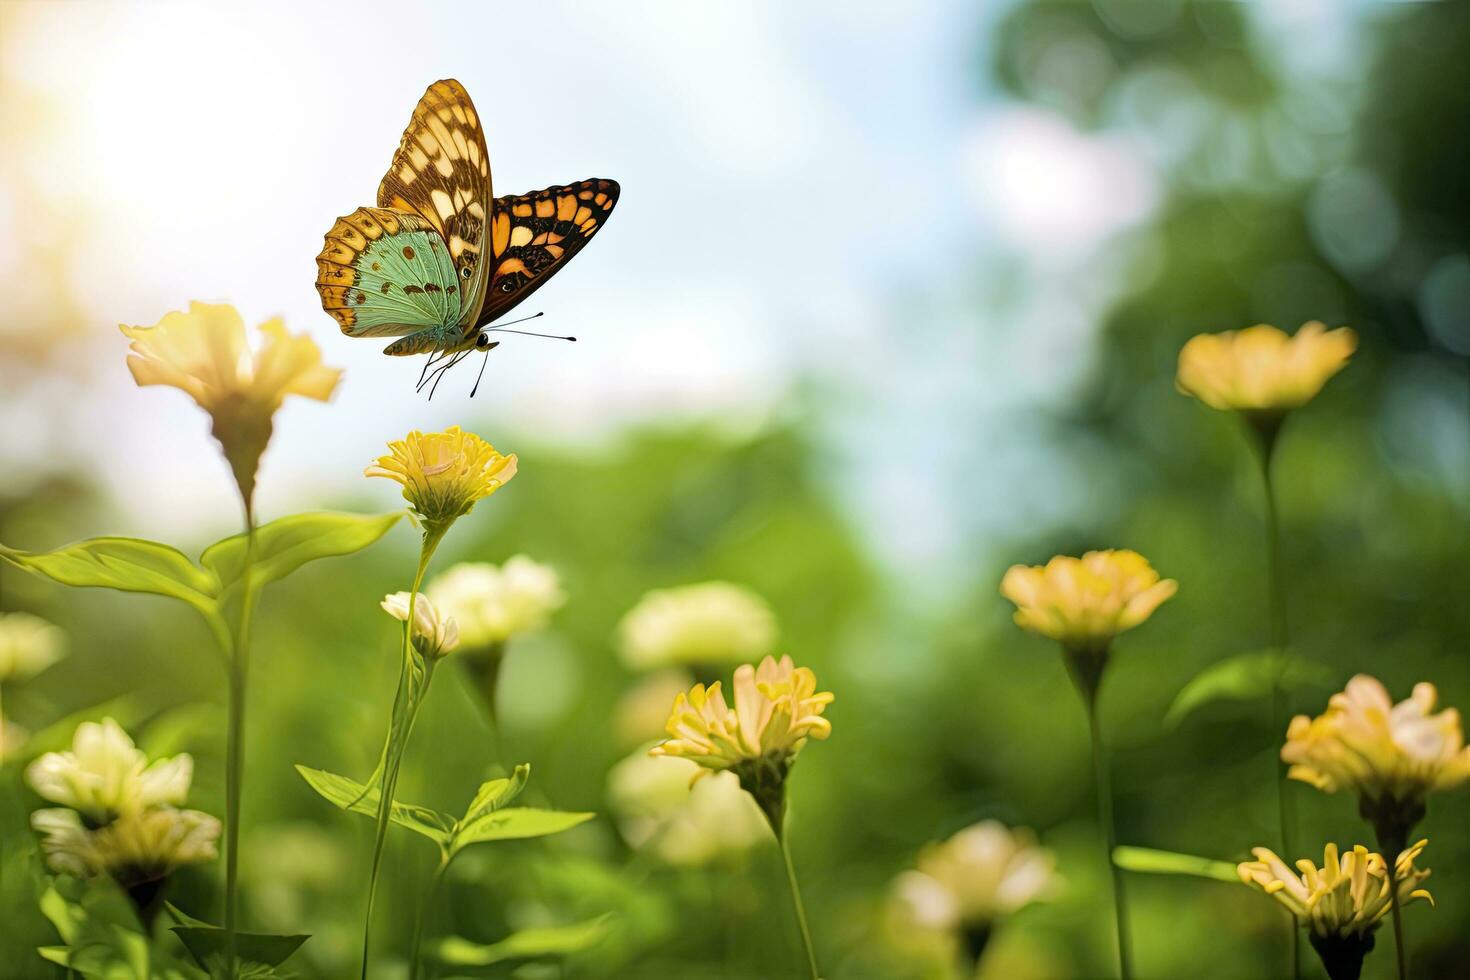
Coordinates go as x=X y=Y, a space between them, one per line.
x=497 y=793
x=101 y=931
x=349 y=794
x=207 y=942
x=524 y=945
x=284 y=545
x=516 y=823
x=127 y=564
x=1149 y=861
x=1246 y=677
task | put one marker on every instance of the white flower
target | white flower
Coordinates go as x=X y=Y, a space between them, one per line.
x=433 y=635
x=709 y=624
x=492 y=604
x=982 y=873
x=104 y=775
x=28 y=645
x=683 y=825
x=136 y=847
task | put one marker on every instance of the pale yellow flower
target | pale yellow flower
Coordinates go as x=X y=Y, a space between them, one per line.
x=708 y=625
x=981 y=874
x=1085 y=602
x=13 y=740
x=493 y=604
x=683 y=825
x=1260 y=368
x=444 y=473
x=1347 y=897
x=28 y=645
x=136 y=847
x=640 y=714
x=105 y=776
x=777 y=708
x=1367 y=744
x=205 y=354
x=434 y=634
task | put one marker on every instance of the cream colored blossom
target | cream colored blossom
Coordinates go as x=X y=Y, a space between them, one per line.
x=493 y=604
x=205 y=354
x=681 y=824
x=709 y=624
x=1085 y=602
x=434 y=635
x=13 y=740
x=28 y=645
x=982 y=873
x=1347 y=897
x=104 y=776
x=777 y=708
x=641 y=713
x=1367 y=744
x=136 y=847
x=1260 y=368
x=444 y=473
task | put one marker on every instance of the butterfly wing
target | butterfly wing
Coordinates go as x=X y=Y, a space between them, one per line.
x=442 y=173
x=533 y=235
x=386 y=273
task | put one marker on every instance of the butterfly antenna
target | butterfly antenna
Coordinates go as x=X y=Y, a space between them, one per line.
x=525 y=333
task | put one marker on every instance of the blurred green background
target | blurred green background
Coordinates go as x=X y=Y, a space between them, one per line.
x=1293 y=179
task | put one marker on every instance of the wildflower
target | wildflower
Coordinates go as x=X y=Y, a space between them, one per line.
x=1085 y=602
x=434 y=635
x=494 y=604
x=1342 y=904
x=683 y=825
x=444 y=473
x=105 y=776
x=705 y=625
x=777 y=708
x=1390 y=755
x=28 y=645
x=1261 y=369
x=138 y=847
x=983 y=873
x=204 y=353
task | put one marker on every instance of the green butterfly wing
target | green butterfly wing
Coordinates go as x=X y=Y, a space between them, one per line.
x=387 y=273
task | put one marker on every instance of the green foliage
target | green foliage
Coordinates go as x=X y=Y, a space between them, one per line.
x=526 y=944
x=487 y=818
x=208 y=945
x=285 y=544
x=1248 y=677
x=1147 y=860
x=102 y=936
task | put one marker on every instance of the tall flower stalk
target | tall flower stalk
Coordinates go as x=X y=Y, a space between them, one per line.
x=777 y=708
x=204 y=353
x=1262 y=374
x=1083 y=604
x=442 y=475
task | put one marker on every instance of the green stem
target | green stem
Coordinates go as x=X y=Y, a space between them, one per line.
x=235 y=745
x=418 y=924
x=1110 y=829
x=1286 y=815
x=1391 y=844
x=806 y=934
x=393 y=757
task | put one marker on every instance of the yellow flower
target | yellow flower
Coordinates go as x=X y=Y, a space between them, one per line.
x=105 y=776
x=1390 y=755
x=28 y=645
x=494 y=604
x=982 y=873
x=777 y=708
x=135 y=848
x=444 y=473
x=1260 y=368
x=1347 y=898
x=1085 y=602
x=706 y=625
x=434 y=635
x=204 y=353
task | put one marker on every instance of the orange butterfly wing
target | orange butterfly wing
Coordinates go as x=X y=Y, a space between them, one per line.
x=533 y=235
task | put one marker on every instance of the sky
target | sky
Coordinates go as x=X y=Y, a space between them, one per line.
x=808 y=191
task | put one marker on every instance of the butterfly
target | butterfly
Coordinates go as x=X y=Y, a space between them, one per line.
x=439 y=259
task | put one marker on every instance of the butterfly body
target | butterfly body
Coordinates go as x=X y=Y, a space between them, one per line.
x=439 y=259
